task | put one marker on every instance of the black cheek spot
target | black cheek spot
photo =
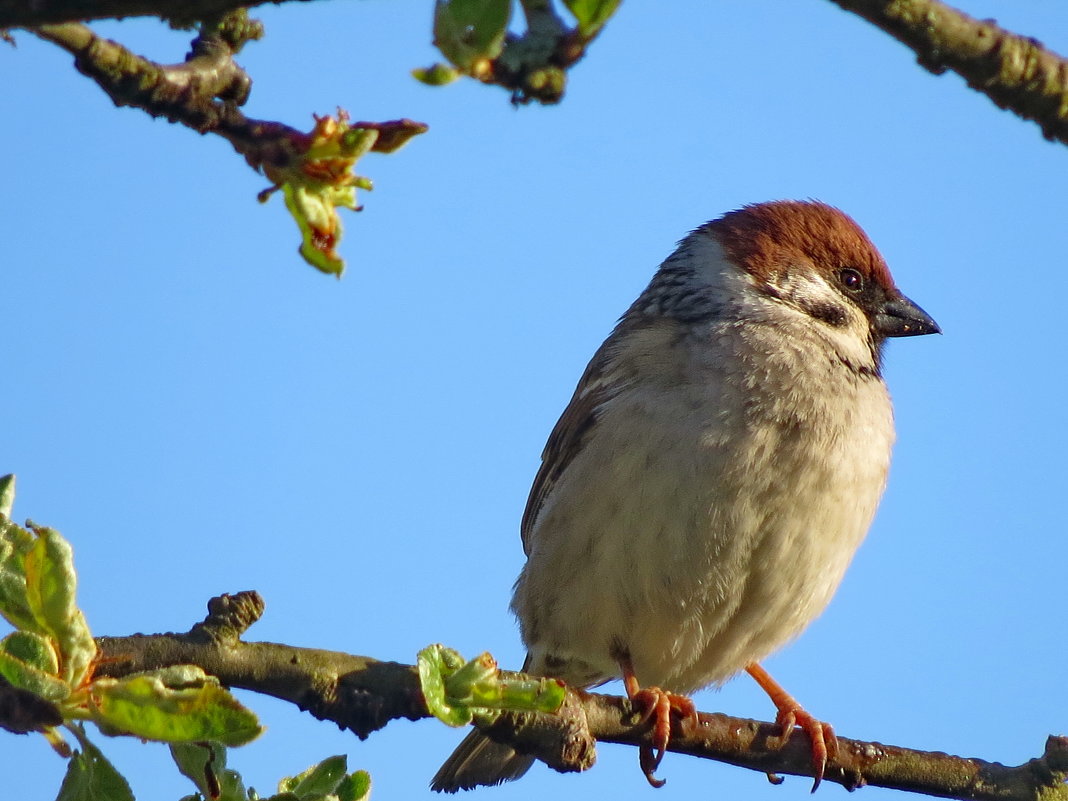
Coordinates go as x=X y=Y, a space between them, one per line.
x=830 y=313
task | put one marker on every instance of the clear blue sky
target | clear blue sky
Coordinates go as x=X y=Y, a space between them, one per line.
x=199 y=412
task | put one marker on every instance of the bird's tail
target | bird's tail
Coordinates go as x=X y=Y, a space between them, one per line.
x=479 y=761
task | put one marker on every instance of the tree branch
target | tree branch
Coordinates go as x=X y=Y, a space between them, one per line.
x=363 y=694
x=355 y=692
x=315 y=170
x=20 y=14
x=203 y=93
x=1016 y=72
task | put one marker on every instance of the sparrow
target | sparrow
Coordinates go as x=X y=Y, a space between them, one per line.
x=721 y=460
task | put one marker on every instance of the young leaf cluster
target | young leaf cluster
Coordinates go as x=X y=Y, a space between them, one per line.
x=205 y=765
x=474 y=37
x=320 y=178
x=47 y=664
x=455 y=690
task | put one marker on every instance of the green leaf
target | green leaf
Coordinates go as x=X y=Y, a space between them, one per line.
x=355 y=787
x=51 y=584
x=50 y=581
x=533 y=694
x=180 y=677
x=468 y=32
x=33 y=649
x=143 y=705
x=455 y=691
x=318 y=780
x=205 y=765
x=28 y=676
x=15 y=543
x=78 y=649
x=196 y=760
x=436 y=74
x=591 y=14
x=90 y=777
x=479 y=684
x=436 y=663
x=7 y=494
x=320 y=227
x=468 y=685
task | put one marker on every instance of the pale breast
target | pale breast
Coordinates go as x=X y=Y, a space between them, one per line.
x=710 y=517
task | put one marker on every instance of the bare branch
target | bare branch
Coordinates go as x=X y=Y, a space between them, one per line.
x=203 y=93
x=364 y=694
x=20 y=14
x=1016 y=72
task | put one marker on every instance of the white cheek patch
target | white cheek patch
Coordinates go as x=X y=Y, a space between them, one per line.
x=811 y=293
x=805 y=287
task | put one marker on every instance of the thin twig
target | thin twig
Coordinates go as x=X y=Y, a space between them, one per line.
x=1014 y=71
x=20 y=14
x=204 y=92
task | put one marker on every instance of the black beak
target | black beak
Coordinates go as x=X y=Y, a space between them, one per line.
x=900 y=317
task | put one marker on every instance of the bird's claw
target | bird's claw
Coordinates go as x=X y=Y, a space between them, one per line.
x=790 y=715
x=821 y=735
x=657 y=706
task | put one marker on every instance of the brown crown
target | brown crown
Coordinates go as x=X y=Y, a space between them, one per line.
x=767 y=239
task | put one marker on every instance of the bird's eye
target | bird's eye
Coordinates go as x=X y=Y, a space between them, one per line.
x=851 y=279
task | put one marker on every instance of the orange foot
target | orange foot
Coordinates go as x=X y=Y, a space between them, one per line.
x=657 y=706
x=790 y=714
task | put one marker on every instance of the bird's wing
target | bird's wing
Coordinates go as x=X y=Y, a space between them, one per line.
x=571 y=430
